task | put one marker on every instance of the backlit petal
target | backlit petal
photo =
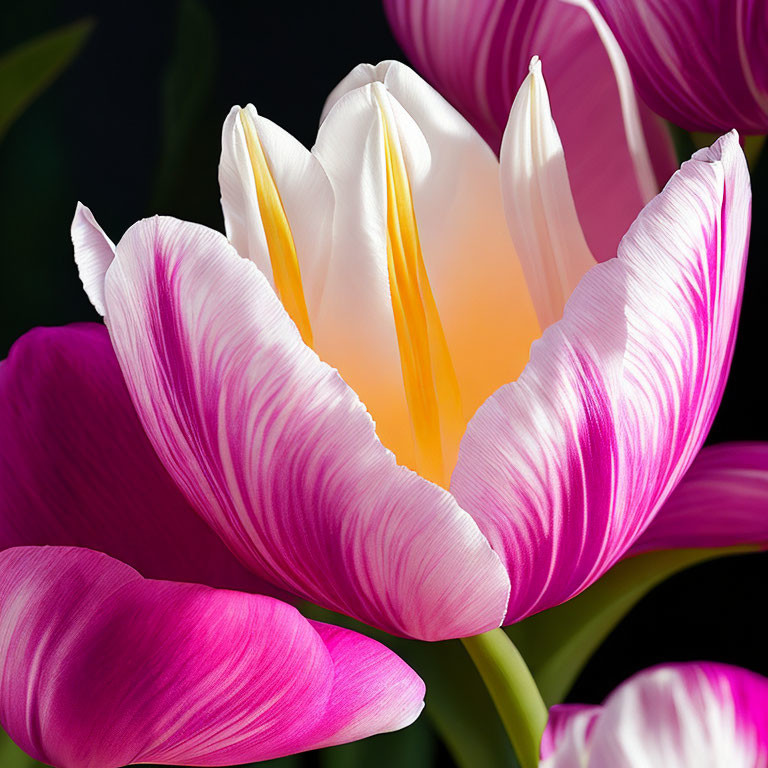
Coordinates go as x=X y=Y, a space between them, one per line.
x=277 y=453
x=566 y=738
x=102 y=668
x=94 y=252
x=476 y=53
x=77 y=469
x=565 y=468
x=722 y=501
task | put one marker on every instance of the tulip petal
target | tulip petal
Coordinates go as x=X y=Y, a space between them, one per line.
x=276 y=452
x=721 y=502
x=566 y=467
x=700 y=64
x=678 y=716
x=477 y=52
x=94 y=252
x=77 y=469
x=103 y=668
x=540 y=211
x=483 y=305
x=567 y=734
x=304 y=192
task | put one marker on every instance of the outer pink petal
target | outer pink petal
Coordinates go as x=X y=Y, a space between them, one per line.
x=566 y=738
x=277 y=453
x=476 y=53
x=700 y=715
x=699 y=63
x=565 y=468
x=102 y=668
x=722 y=501
x=77 y=469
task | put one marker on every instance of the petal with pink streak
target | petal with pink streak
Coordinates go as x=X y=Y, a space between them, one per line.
x=722 y=501
x=476 y=53
x=566 y=467
x=700 y=715
x=566 y=737
x=277 y=453
x=699 y=63
x=102 y=668
x=77 y=469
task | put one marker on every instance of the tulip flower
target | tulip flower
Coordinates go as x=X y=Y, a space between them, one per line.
x=476 y=53
x=103 y=668
x=696 y=715
x=377 y=269
x=699 y=64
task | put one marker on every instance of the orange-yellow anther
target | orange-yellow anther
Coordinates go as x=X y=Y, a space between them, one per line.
x=431 y=389
x=282 y=250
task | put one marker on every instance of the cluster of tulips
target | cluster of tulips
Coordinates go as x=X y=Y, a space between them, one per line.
x=446 y=371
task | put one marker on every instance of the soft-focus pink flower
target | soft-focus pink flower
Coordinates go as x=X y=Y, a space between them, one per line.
x=697 y=715
x=699 y=63
x=102 y=668
x=388 y=250
x=476 y=53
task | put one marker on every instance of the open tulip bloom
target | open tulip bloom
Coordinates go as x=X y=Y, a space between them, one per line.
x=401 y=388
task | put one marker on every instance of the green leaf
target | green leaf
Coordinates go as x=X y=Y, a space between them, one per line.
x=558 y=643
x=28 y=69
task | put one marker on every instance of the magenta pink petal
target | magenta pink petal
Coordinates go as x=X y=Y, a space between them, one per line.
x=699 y=63
x=722 y=501
x=566 y=467
x=77 y=469
x=697 y=715
x=277 y=453
x=102 y=668
x=476 y=53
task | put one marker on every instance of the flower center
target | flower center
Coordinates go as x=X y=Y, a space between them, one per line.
x=429 y=379
x=282 y=251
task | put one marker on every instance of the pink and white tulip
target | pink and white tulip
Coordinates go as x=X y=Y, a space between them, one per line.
x=103 y=668
x=416 y=302
x=697 y=715
x=476 y=53
x=699 y=63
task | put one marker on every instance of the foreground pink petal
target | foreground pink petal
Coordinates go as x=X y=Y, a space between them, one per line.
x=566 y=467
x=77 y=469
x=102 y=668
x=700 y=715
x=699 y=63
x=277 y=453
x=722 y=501
x=476 y=53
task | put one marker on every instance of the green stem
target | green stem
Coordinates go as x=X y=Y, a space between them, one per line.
x=513 y=690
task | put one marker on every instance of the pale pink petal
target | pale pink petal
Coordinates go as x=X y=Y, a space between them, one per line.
x=102 y=668
x=722 y=501
x=476 y=53
x=77 y=469
x=701 y=715
x=94 y=252
x=277 y=453
x=473 y=271
x=565 y=468
x=538 y=203
x=699 y=63
x=305 y=194
x=566 y=737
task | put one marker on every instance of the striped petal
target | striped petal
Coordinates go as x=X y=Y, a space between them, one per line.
x=476 y=53
x=566 y=467
x=699 y=63
x=102 y=668
x=700 y=715
x=77 y=469
x=721 y=502
x=277 y=453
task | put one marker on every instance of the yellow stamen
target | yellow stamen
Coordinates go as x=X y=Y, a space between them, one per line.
x=431 y=388
x=282 y=250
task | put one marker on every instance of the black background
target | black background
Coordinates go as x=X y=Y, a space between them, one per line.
x=97 y=135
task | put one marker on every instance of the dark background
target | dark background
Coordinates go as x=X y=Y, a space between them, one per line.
x=132 y=128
